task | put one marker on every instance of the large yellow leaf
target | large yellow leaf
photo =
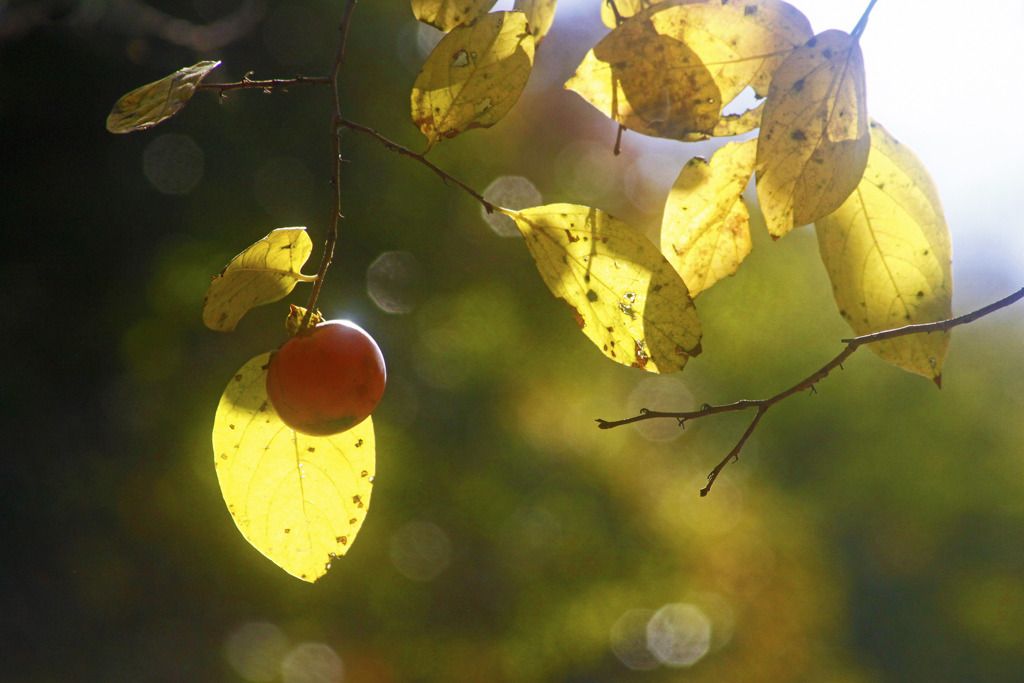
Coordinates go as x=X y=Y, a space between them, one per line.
x=623 y=294
x=705 y=233
x=814 y=139
x=265 y=272
x=649 y=82
x=149 y=105
x=299 y=500
x=447 y=14
x=735 y=44
x=473 y=76
x=887 y=251
x=539 y=15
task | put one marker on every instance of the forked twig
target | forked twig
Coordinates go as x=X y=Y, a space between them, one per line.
x=762 y=405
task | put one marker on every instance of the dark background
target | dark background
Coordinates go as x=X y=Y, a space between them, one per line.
x=871 y=531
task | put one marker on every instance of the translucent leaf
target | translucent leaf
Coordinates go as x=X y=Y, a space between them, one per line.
x=539 y=15
x=738 y=124
x=625 y=8
x=473 y=76
x=814 y=138
x=887 y=252
x=705 y=233
x=147 y=106
x=622 y=292
x=447 y=14
x=299 y=500
x=649 y=82
x=265 y=272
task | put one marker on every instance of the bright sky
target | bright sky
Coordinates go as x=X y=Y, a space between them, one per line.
x=944 y=78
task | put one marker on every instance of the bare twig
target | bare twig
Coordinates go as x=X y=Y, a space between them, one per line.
x=265 y=85
x=405 y=151
x=332 y=232
x=762 y=405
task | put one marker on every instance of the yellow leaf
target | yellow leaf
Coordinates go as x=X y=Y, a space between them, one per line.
x=738 y=124
x=649 y=82
x=625 y=8
x=147 y=106
x=447 y=14
x=705 y=233
x=299 y=500
x=887 y=252
x=539 y=15
x=473 y=76
x=814 y=138
x=265 y=272
x=661 y=59
x=623 y=294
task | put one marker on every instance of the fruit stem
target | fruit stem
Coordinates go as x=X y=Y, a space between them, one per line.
x=332 y=232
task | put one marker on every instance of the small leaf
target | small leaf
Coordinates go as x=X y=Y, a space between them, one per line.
x=814 y=138
x=473 y=76
x=623 y=294
x=147 y=106
x=738 y=124
x=649 y=82
x=299 y=500
x=447 y=14
x=625 y=8
x=265 y=272
x=887 y=252
x=539 y=15
x=705 y=233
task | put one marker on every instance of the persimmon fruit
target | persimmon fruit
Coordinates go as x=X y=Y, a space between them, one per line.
x=326 y=379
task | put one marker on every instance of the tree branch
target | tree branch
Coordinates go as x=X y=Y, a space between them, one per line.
x=762 y=405
x=266 y=85
x=405 y=151
x=332 y=232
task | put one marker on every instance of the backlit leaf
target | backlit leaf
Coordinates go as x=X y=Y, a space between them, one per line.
x=539 y=15
x=265 y=272
x=447 y=14
x=649 y=82
x=887 y=252
x=705 y=233
x=625 y=8
x=149 y=105
x=622 y=292
x=814 y=138
x=299 y=500
x=738 y=124
x=473 y=76
x=734 y=44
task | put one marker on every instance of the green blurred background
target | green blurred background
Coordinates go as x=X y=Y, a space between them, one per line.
x=871 y=531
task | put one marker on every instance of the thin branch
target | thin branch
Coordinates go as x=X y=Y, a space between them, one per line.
x=332 y=232
x=265 y=85
x=405 y=151
x=858 y=30
x=762 y=405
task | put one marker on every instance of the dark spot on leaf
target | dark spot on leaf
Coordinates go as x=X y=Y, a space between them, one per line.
x=798 y=135
x=358 y=501
x=749 y=9
x=798 y=86
x=238 y=378
x=812 y=42
x=827 y=53
x=572 y=238
x=364 y=473
x=352 y=521
x=359 y=443
x=287 y=531
x=591 y=295
x=231 y=426
x=640 y=355
x=920 y=295
x=343 y=540
x=311 y=449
